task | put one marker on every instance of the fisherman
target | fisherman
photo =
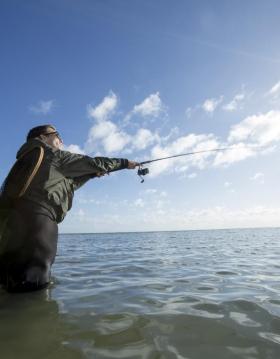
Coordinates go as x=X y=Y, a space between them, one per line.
x=34 y=198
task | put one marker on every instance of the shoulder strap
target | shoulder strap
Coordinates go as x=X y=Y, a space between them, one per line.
x=34 y=171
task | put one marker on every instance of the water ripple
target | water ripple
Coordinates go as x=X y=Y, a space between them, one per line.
x=154 y=296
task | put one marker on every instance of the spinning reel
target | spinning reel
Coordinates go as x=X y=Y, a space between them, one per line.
x=142 y=172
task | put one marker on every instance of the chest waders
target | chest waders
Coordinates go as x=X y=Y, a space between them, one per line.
x=27 y=233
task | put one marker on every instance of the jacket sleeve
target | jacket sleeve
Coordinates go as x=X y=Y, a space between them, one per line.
x=78 y=182
x=73 y=165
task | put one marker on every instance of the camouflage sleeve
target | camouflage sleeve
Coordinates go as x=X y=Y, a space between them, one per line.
x=75 y=165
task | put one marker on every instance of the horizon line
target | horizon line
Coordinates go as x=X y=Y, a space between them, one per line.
x=175 y=230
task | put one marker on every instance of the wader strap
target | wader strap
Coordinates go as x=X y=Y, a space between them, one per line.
x=33 y=173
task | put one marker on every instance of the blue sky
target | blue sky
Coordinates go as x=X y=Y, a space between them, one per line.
x=146 y=79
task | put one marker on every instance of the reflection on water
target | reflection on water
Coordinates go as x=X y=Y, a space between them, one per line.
x=152 y=295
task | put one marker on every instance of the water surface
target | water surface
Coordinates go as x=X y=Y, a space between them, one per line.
x=161 y=295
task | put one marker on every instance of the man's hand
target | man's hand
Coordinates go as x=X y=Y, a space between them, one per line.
x=132 y=165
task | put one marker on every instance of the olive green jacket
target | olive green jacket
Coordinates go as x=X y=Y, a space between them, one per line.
x=58 y=176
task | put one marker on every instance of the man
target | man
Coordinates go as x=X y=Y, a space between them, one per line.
x=35 y=196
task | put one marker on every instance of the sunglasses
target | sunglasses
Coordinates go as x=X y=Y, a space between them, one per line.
x=53 y=133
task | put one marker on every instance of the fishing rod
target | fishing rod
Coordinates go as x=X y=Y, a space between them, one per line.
x=144 y=171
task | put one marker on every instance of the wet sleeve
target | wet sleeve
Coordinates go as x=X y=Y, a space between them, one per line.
x=74 y=165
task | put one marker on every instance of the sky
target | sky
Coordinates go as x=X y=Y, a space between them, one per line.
x=143 y=79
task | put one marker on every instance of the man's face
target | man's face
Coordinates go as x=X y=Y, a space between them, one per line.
x=52 y=139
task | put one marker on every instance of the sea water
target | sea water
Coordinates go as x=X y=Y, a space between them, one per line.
x=159 y=295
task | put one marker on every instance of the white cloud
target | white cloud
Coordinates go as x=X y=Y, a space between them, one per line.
x=106 y=134
x=189 y=111
x=144 y=138
x=154 y=192
x=106 y=108
x=110 y=136
x=211 y=104
x=90 y=201
x=228 y=185
x=81 y=213
x=236 y=153
x=113 y=139
x=173 y=133
x=259 y=177
x=139 y=203
x=73 y=149
x=223 y=217
x=184 y=144
x=244 y=138
x=192 y=175
x=102 y=129
x=156 y=218
x=262 y=129
x=116 y=141
x=255 y=134
x=235 y=103
x=152 y=106
x=275 y=90
x=42 y=107
x=150 y=191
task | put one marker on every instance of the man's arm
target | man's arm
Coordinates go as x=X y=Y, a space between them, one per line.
x=75 y=165
x=80 y=181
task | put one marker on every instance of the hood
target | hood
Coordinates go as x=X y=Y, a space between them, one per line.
x=30 y=145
